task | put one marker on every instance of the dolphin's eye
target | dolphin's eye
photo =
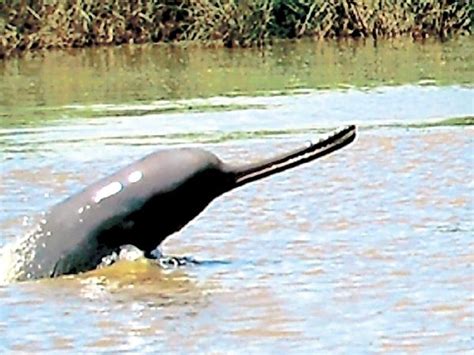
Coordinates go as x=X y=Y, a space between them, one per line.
x=107 y=191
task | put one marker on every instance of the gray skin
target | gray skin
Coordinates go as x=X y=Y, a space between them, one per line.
x=144 y=203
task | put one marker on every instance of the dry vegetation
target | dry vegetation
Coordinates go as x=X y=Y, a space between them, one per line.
x=36 y=24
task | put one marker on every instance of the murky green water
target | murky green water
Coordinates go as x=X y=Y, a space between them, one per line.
x=369 y=250
x=46 y=86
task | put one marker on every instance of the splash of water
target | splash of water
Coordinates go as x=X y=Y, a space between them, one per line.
x=14 y=256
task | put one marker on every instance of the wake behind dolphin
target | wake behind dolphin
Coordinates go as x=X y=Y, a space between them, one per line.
x=143 y=203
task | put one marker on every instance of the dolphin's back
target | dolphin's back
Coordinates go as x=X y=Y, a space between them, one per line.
x=142 y=198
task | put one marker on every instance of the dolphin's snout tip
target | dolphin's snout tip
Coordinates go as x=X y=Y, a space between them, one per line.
x=348 y=132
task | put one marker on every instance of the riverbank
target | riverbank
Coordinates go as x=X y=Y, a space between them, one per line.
x=32 y=25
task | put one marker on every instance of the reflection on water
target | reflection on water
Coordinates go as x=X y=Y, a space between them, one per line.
x=36 y=89
x=124 y=307
x=369 y=250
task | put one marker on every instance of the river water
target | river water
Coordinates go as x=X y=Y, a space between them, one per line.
x=368 y=250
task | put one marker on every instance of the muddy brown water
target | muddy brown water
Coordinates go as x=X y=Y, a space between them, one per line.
x=368 y=250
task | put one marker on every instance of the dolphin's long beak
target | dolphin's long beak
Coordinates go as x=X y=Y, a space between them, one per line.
x=334 y=141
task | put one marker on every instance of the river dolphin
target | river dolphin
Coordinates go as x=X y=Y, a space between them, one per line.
x=144 y=203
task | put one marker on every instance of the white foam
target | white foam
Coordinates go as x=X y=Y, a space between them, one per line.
x=7 y=262
x=15 y=255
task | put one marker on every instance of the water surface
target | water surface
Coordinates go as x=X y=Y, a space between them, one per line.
x=368 y=250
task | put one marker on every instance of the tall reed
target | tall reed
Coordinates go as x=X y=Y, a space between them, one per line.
x=36 y=24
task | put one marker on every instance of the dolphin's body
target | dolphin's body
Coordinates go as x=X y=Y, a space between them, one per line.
x=144 y=203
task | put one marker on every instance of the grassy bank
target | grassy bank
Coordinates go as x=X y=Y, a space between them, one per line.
x=36 y=24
